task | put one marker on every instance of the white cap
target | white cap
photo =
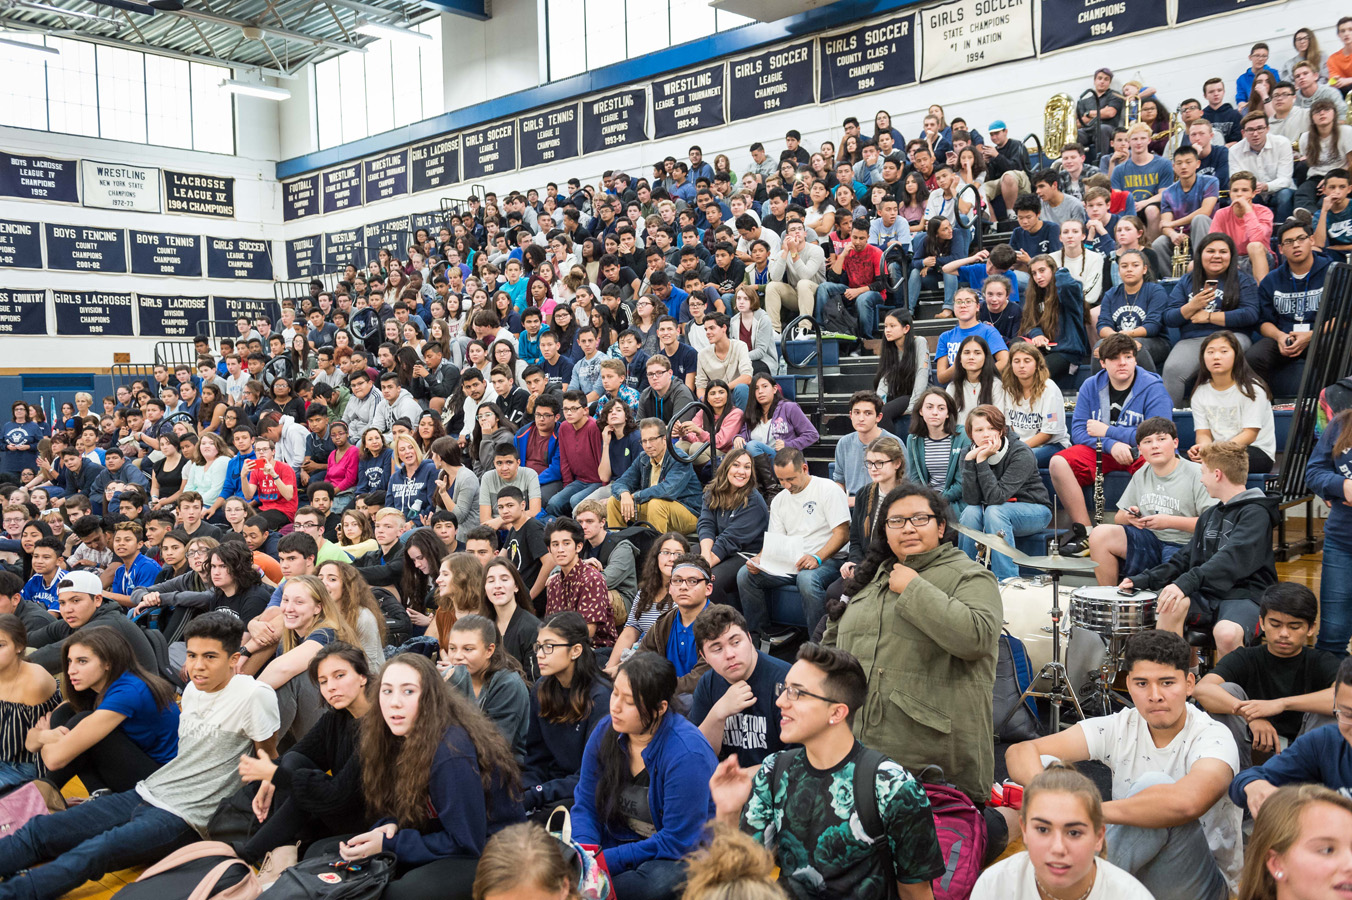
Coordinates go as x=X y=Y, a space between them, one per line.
x=80 y=582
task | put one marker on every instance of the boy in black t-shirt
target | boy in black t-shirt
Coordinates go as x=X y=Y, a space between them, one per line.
x=1270 y=694
x=1033 y=236
x=734 y=702
x=525 y=546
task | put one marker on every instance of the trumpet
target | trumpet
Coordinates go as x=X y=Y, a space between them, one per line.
x=1058 y=124
x=1182 y=256
x=1132 y=111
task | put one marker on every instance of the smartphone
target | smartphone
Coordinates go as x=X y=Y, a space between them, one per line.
x=1211 y=283
x=1134 y=512
x=1125 y=593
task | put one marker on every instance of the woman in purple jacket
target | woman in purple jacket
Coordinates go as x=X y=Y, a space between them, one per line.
x=772 y=423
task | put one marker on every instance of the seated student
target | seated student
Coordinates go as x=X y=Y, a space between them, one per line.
x=1300 y=848
x=580 y=449
x=1108 y=407
x=1172 y=826
x=34 y=615
x=734 y=701
x=642 y=793
x=1001 y=488
x=936 y=255
x=1032 y=236
x=613 y=555
x=850 y=473
x=224 y=715
x=936 y=444
x=509 y=598
x=1228 y=562
x=270 y=484
x=998 y=310
x=1054 y=317
x=30 y=695
x=524 y=861
x=966 y=307
x=437 y=800
x=567 y=702
x=771 y=423
x=1230 y=403
x=45 y=560
x=1034 y=406
x=814 y=510
x=661 y=489
x=1186 y=205
x=1333 y=222
x=191 y=519
x=524 y=546
x=83 y=605
x=978 y=379
x=1064 y=833
x=578 y=587
x=1085 y=266
x=1158 y=511
x=1249 y=225
x=134 y=569
x=384 y=566
x=673 y=634
x=821 y=847
x=903 y=368
x=1135 y=307
x=732 y=522
x=1269 y=695
x=512 y=399
x=475 y=663
x=1322 y=756
x=508 y=470
x=1289 y=298
x=975 y=270
x=119 y=723
x=1101 y=224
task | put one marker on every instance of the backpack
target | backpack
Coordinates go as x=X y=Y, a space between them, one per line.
x=329 y=878
x=1332 y=400
x=836 y=317
x=203 y=870
x=398 y=626
x=962 y=836
x=1014 y=721
x=586 y=862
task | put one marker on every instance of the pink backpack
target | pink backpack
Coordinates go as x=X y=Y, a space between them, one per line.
x=962 y=836
x=196 y=872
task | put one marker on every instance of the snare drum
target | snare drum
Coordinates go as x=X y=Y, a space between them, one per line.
x=1112 y=616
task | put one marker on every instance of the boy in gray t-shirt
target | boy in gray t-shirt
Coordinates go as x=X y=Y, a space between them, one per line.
x=1157 y=512
x=851 y=473
x=507 y=469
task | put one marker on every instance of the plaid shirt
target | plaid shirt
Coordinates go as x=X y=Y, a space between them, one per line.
x=585 y=592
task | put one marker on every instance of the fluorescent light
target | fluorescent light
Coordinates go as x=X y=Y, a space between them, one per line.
x=394 y=32
x=35 y=48
x=254 y=89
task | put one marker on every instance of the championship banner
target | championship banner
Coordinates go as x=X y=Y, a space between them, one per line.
x=869 y=58
x=342 y=187
x=239 y=258
x=20 y=245
x=770 y=81
x=614 y=120
x=973 y=34
x=385 y=176
x=75 y=249
x=1070 y=23
x=488 y=151
x=23 y=312
x=691 y=101
x=154 y=253
x=431 y=221
x=199 y=195
x=39 y=178
x=231 y=308
x=340 y=247
x=118 y=186
x=171 y=316
x=436 y=163
x=300 y=198
x=1192 y=10
x=393 y=234
x=304 y=255
x=548 y=136
x=84 y=313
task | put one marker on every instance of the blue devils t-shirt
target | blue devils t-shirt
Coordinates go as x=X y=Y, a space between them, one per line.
x=753 y=733
x=1046 y=239
x=21 y=434
x=952 y=339
x=45 y=594
x=152 y=729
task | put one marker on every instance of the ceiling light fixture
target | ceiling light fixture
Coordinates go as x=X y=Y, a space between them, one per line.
x=254 y=89
x=43 y=49
x=394 y=32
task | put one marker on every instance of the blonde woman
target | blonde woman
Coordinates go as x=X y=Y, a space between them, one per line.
x=413 y=484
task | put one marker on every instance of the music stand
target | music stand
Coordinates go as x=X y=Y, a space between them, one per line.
x=1061 y=689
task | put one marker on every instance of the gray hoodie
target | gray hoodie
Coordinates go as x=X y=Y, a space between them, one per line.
x=403 y=407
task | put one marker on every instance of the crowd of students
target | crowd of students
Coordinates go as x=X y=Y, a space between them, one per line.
x=471 y=485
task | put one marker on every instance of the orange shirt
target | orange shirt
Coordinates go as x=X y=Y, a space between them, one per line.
x=1340 y=67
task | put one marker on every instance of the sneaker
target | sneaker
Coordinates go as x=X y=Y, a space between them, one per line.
x=1075 y=542
x=1305 y=216
x=276 y=862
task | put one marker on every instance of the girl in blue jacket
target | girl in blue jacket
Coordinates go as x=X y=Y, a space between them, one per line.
x=1329 y=474
x=643 y=793
x=414 y=481
x=1053 y=318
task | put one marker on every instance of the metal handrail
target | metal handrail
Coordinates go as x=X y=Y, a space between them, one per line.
x=1037 y=141
x=976 y=211
x=784 y=338
x=711 y=444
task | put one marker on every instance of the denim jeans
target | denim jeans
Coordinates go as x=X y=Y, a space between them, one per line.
x=1173 y=863
x=866 y=304
x=915 y=282
x=1335 y=598
x=812 y=584
x=1008 y=520
x=562 y=503
x=1280 y=202
x=656 y=879
x=760 y=448
x=740 y=394
x=15 y=774
x=87 y=842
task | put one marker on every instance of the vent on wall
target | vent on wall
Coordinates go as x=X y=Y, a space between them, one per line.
x=58 y=382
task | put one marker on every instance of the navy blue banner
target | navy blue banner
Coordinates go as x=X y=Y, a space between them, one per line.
x=770 y=81
x=73 y=248
x=548 y=136
x=239 y=258
x=39 y=178
x=436 y=163
x=342 y=187
x=871 y=58
x=392 y=234
x=199 y=195
x=93 y=313
x=23 y=312
x=155 y=253
x=385 y=176
x=231 y=308
x=489 y=151
x=20 y=245
x=172 y=315
x=304 y=256
x=300 y=198
x=1192 y=10
x=1069 y=23
x=688 y=102
x=342 y=247
x=614 y=120
x=432 y=221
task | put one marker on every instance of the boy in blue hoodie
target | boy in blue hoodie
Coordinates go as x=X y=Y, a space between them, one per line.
x=1108 y=408
x=1289 y=300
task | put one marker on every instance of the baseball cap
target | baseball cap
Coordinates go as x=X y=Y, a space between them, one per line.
x=997 y=125
x=80 y=582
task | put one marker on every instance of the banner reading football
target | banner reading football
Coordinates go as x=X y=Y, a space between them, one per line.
x=973 y=34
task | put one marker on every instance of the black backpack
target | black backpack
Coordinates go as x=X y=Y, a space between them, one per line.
x=326 y=878
x=398 y=626
x=210 y=868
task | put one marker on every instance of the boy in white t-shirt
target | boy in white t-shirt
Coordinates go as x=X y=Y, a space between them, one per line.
x=223 y=717
x=1170 y=822
x=1157 y=512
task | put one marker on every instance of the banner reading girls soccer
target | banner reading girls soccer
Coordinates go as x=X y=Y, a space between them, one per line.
x=973 y=34
x=873 y=57
x=768 y=82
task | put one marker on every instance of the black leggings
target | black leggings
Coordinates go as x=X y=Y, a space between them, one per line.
x=450 y=878
x=894 y=411
x=287 y=823
x=116 y=763
x=725 y=581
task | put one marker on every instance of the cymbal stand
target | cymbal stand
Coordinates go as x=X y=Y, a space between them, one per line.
x=1060 y=690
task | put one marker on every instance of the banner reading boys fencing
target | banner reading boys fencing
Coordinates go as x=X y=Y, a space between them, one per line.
x=771 y=81
x=20 y=245
x=171 y=316
x=154 y=253
x=614 y=120
x=39 y=178
x=973 y=34
x=300 y=197
x=873 y=57
x=548 y=136
x=1192 y=10
x=1069 y=23
x=93 y=313
x=489 y=151
x=76 y=249
x=23 y=312
x=436 y=163
x=199 y=195
x=688 y=102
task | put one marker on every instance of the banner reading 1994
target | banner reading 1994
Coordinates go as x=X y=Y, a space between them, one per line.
x=1069 y=23
x=973 y=34
x=771 y=81
x=872 y=58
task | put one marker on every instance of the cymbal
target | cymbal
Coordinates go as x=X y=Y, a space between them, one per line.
x=1046 y=563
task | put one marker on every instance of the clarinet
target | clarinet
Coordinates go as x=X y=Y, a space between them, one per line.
x=1098 y=483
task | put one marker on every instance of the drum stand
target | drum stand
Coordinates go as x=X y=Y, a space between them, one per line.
x=1061 y=689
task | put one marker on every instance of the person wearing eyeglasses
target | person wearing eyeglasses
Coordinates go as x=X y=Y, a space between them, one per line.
x=1288 y=300
x=1269 y=157
x=673 y=634
x=924 y=622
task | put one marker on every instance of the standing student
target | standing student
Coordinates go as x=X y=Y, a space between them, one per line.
x=1034 y=406
x=1230 y=403
x=475 y=663
x=734 y=701
x=440 y=778
x=1002 y=491
x=28 y=695
x=1329 y=474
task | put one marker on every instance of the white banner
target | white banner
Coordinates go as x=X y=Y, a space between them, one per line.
x=972 y=34
x=120 y=186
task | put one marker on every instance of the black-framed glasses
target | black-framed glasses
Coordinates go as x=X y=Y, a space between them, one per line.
x=796 y=693
x=874 y=465
x=896 y=523
x=1291 y=242
x=545 y=648
x=688 y=582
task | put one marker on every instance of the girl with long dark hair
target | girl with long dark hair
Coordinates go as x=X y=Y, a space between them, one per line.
x=885 y=460
x=492 y=428
x=727 y=424
x=653 y=598
x=979 y=381
x=1135 y=307
x=914 y=199
x=1054 y=316
x=732 y=523
x=772 y=423
x=1325 y=147
x=570 y=697
x=935 y=446
x=1231 y=403
x=903 y=368
x=457 y=486
x=509 y=598
x=375 y=464
x=643 y=792
x=932 y=253
x=484 y=672
x=423 y=553
x=28 y=695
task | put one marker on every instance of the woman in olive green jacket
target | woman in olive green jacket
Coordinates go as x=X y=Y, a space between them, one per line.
x=924 y=621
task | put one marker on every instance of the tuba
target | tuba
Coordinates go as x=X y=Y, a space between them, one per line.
x=1058 y=125
x=1132 y=112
